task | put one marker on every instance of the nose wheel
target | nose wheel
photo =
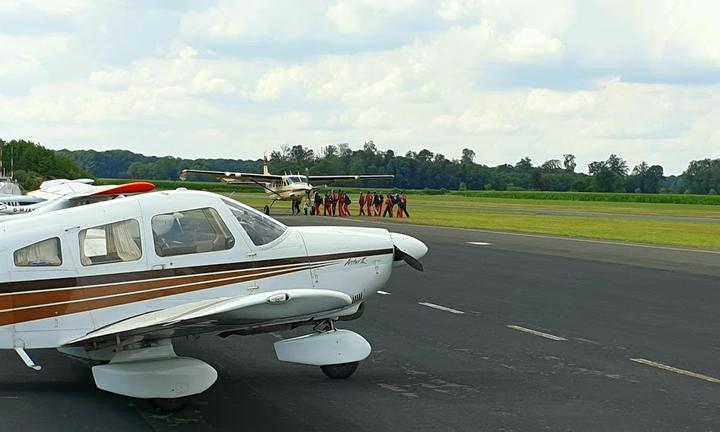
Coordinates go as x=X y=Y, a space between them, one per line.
x=340 y=371
x=267 y=210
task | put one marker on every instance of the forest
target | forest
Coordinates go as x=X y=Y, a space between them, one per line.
x=414 y=170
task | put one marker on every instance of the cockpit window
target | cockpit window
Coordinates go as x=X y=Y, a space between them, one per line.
x=190 y=231
x=296 y=179
x=260 y=228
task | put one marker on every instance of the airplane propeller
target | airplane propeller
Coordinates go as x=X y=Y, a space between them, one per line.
x=409 y=259
x=409 y=250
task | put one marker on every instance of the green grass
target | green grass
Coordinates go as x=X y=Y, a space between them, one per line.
x=640 y=222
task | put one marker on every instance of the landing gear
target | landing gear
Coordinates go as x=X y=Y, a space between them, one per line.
x=340 y=371
x=170 y=404
x=267 y=208
x=337 y=352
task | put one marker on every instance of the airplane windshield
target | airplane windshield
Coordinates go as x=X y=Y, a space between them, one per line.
x=296 y=179
x=260 y=228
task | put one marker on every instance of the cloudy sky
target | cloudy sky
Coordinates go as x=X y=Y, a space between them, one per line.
x=233 y=79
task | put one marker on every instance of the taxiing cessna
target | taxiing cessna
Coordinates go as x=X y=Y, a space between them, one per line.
x=113 y=282
x=293 y=187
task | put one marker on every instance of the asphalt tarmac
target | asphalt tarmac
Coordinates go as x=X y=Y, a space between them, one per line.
x=513 y=332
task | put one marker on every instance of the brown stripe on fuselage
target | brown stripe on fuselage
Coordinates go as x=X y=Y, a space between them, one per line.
x=30 y=298
x=40 y=311
x=44 y=284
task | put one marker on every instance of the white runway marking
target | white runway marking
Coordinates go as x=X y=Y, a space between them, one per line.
x=676 y=370
x=536 y=333
x=480 y=243
x=442 y=308
x=383 y=293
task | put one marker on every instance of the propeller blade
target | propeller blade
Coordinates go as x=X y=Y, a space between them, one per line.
x=409 y=259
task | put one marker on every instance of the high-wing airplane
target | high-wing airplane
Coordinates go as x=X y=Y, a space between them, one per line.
x=58 y=194
x=113 y=282
x=292 y=187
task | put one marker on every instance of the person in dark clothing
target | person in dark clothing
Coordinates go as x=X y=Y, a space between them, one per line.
x=327 y=211
x=296 y=207
x=378 y=204
x=317 y=203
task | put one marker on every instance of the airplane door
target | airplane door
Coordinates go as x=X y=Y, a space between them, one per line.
x=195 y=253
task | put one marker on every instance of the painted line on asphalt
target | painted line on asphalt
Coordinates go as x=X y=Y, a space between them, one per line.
x=535 y=332
x=676 y=370
x=442 y=308
x=383 y=293
x=479 y=243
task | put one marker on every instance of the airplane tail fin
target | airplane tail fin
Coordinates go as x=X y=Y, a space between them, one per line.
x=266 y=171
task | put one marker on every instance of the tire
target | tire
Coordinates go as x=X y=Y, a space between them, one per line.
x=267 y=210
x=171 y=404
x=340 y=371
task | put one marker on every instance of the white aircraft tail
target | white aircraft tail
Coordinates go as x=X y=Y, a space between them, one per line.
x=266 y=171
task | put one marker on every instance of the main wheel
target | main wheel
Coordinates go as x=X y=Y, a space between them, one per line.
x=267 y=210
x=340 y=371
x=171 y=404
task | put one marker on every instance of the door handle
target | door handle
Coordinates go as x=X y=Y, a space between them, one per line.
x=252 y=254
x=158 y=267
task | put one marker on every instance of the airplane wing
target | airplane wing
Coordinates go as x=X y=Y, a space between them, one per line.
x=206 y=316
x=336 y=178
x=82 y=189
x=234 y=177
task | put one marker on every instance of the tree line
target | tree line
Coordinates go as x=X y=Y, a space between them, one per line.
x=414 y=170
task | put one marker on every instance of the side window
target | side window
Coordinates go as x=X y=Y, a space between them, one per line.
x=111 y=243
x=40 y=254
x=190 y=231
x=260 y=228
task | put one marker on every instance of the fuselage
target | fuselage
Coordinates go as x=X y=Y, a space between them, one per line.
x=66 y=273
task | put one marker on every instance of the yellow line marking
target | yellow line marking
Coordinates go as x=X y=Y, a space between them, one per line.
x=536 y=333
x=676 y=370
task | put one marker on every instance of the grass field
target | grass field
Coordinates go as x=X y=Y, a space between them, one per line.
x=666 y=224
x=678 y=224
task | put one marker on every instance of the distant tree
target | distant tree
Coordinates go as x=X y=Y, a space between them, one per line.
x=702 y=175
x=569 y=162
x=425 y=155
x=468 y=156
x=551 y=165
x=524 y=164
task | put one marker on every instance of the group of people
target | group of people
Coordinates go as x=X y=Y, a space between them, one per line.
x=371 y=204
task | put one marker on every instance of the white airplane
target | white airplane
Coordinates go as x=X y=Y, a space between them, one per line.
x=113 y=282
x=293 y=187
x=58 y=194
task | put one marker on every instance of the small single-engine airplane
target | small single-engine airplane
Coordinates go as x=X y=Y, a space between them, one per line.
x=293 y=187
x=113 y=282
x=59 y=194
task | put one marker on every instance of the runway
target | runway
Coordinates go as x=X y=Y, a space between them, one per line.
x=501 y=332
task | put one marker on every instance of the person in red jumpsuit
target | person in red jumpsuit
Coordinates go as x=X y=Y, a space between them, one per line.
x=361 y=201
x=388 y=206
x=328 y=211
x=368 y=203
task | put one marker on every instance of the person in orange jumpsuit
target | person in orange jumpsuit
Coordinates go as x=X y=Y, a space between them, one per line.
x=403 y=197
x=318 y=200
x=328 y=211
x=368 y=203
x=388 y=206
x=346 y=204
x=361 y=201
